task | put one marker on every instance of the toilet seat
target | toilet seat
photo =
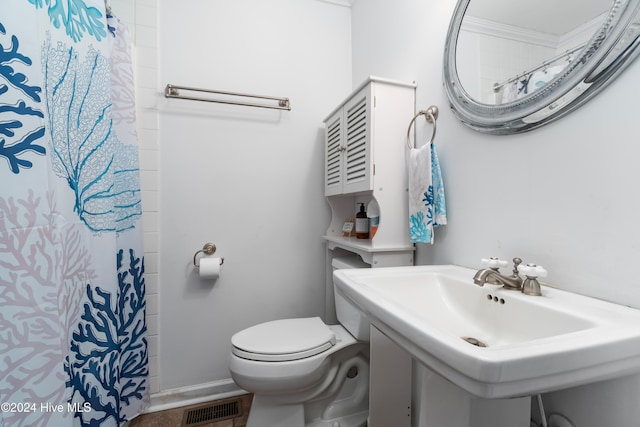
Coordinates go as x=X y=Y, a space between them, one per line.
x=283 y=340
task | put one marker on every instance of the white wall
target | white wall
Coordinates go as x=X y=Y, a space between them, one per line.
x=563 y=196
x=249 y=180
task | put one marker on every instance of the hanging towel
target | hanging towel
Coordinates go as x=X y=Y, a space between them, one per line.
x=427 y=207
x=542 y=77
x=509 y=92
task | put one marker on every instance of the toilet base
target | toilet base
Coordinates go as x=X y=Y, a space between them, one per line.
x=344 y=403
x=264 y=413
x=353 y=420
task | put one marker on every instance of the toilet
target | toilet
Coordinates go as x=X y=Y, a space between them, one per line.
x=304 y=373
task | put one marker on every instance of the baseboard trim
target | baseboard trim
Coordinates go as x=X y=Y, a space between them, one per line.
x=192 y=395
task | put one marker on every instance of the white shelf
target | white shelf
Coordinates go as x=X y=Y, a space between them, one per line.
x=372 y=254
x=364 y=245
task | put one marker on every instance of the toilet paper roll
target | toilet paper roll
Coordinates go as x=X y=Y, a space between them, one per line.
x=210 y=267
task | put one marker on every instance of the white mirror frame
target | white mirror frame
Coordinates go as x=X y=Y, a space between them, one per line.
x=607 y=53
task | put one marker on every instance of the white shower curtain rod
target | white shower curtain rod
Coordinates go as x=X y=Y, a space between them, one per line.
x=173 y=91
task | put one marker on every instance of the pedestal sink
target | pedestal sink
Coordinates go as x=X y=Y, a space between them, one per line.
x=492 y=342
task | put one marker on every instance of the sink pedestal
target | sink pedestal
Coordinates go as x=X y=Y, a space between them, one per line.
x=442 y=403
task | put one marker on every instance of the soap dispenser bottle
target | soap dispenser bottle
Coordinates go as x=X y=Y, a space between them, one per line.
x=362 y=224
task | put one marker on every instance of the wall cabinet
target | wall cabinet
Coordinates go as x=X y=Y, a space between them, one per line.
x=365 y=159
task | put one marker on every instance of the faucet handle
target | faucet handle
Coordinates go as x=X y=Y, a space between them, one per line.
x=532 y=270
x=494 y=262
x=530 y=285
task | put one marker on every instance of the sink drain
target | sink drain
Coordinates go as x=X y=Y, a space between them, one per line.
x=474 y=341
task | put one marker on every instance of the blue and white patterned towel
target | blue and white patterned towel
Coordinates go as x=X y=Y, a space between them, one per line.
x=427 y=207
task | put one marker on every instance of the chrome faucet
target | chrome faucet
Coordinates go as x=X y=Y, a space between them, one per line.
x=493 y=276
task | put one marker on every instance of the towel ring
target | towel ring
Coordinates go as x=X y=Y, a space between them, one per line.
x=431 y=115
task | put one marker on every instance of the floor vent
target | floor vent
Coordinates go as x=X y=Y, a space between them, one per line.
x=212 y=412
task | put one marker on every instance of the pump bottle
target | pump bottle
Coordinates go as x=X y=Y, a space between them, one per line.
x=362 y=224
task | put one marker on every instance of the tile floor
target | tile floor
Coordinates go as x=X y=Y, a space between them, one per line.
x=174 y=417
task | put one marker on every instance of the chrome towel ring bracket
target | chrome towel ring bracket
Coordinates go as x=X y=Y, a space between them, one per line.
x=431 y=115
x=207 y=249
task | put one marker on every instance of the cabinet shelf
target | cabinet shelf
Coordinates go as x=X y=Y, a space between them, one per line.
x=372 y=254
x=364 y=245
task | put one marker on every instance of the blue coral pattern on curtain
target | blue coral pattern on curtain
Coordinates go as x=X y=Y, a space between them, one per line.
x=73 y=335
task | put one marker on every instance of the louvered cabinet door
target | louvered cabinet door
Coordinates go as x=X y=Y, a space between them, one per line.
x=357 y=155
x=334 y=149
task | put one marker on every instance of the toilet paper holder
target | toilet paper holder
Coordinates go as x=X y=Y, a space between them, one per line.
x=207 y=249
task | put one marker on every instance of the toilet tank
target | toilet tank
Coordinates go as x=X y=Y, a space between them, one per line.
x=348 y=315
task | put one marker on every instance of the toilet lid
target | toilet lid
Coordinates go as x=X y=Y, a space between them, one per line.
x=282 y=340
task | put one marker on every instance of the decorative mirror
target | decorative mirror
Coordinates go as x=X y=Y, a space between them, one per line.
x=512 y=66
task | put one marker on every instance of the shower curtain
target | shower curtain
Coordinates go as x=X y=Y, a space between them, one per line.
x=73 y=346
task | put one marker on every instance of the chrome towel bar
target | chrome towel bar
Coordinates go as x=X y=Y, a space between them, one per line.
x=173 y=91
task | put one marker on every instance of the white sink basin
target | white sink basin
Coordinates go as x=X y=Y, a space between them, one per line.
x=533 y=344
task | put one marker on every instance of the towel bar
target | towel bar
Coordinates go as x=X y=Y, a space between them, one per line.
x=173 y=91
